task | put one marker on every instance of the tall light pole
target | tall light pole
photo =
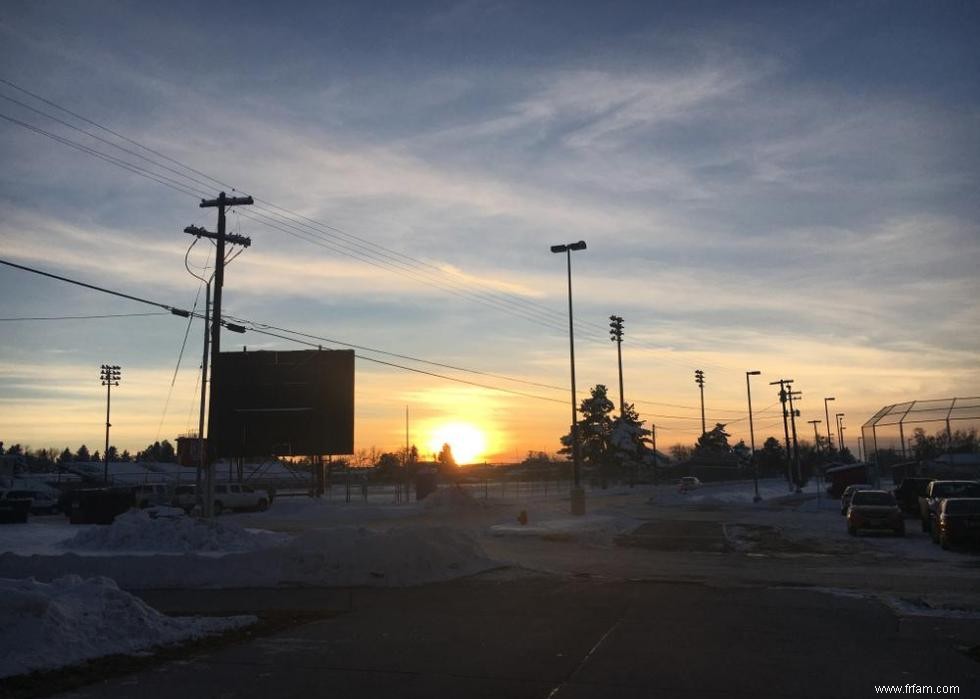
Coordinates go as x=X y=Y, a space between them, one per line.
x=699 y=380
x=755 y=467
x=110 y=376
x=840 y=433
x=578 y=495
x=826 y=414
x=616 y=335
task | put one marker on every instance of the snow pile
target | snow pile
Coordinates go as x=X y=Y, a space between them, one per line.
x=168 y=529
x=337 y=556
x=49 y=625
x=451 y=498
x=358 y=556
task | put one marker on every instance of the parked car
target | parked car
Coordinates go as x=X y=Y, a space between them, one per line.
x=909 y=491
x=876 y=510
x=939 y=490
x=845 y=498
x=151 y=494
x=958 y=521
x=688 y=483
x=185 y=497
x=42 y=503
x=234 y=496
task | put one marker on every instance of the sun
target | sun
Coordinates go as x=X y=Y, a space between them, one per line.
x=467 y=441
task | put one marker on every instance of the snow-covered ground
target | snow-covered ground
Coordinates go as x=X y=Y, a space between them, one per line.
x=72 y=619
x=304 y=541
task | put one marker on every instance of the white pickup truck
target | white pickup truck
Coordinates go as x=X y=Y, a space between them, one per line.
x=234 y=496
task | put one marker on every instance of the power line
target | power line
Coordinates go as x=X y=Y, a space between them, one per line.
x=91 y=317
x=504 y=301
x=184 y=313
x=325 y=235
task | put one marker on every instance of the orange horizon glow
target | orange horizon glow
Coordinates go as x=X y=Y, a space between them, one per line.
x=467 y=441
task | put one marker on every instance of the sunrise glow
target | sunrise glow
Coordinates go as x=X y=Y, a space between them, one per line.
x=467 y=441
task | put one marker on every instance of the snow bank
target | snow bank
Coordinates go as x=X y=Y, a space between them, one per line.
x=168 y=529
x=338 y=556
x=451 y=498
x=50 y=625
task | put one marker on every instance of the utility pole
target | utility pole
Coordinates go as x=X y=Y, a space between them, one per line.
x=202 y=463
x=110 y=378
x=793 y=414
x=755 y=467
x=699 y=380
x=616 y=335
x=826 y=414
x=222 y=202
x=783 y=397
x=816 y=438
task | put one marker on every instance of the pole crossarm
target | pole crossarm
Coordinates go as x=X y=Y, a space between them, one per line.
x=232 y=238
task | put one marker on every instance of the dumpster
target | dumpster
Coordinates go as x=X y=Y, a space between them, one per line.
x=14 y=510
x=425 y=483
x=99 y=505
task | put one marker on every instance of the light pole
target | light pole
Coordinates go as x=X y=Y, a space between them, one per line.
x=110 y=376
x=578 y=495
x=755 y=467
x=699 y=380
x=840 y=434
x=826 y=414
x=616 y=335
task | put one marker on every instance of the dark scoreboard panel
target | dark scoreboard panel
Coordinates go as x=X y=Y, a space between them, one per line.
x=283 y=403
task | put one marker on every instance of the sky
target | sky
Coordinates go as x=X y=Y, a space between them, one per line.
x=762 y=186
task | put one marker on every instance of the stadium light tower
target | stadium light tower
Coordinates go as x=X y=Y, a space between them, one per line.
x=578 y=494
x=110 y=376
x=616 y=335
x=699 y=380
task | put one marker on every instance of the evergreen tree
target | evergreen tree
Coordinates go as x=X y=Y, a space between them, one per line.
x=771 y=458
x=446 y=457
x=82 y=454
x=65 y=457
x=715 y=439
x=594 y=428
x=628 y=440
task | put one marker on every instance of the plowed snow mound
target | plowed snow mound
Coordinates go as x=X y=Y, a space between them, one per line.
x=452 y=498
x=334 y=557
x=71 y=619
x=169 y=530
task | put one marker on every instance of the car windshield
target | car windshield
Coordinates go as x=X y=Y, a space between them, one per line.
x=865 y=497
x=948 y=490
x=963 y=507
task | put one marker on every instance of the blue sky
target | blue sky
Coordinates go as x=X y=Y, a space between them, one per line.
x=767 y=186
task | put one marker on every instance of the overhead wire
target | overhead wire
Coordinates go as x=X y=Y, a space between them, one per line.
x=501 y=300
x=84 y=317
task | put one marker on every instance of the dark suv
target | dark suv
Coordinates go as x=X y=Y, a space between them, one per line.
x=909 y=492
x=939 y=490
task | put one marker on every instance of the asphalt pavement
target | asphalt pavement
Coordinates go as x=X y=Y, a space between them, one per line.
x=513 y=634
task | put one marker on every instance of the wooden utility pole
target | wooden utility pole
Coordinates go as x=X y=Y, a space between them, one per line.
x=222 y=202
x=783 y=397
